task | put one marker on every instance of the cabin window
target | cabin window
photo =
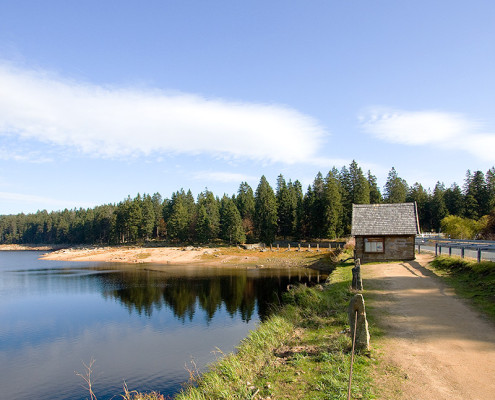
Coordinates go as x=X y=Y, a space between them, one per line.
x=373 y=245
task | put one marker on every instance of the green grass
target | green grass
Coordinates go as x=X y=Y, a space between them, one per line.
x=471 y=280
x=302 y=352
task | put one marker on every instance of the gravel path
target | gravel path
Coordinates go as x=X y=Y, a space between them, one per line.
x=441 y=347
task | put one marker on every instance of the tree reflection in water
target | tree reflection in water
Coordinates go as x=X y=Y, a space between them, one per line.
x=239 y=291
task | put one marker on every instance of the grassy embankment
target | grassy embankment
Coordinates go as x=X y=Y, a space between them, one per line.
x=470 y=280
x=302 y=351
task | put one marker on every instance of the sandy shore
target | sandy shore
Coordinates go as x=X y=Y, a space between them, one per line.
x=186 y=255
x=161 y=255
x=226 y=256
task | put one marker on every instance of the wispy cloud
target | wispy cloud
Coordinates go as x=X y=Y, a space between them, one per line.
x=116 y=122
x=441 y=129
x=40 y=200
x=225 y=177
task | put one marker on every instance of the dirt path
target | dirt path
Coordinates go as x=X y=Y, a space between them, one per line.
x=441 y=348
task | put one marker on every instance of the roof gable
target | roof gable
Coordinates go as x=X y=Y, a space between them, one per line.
x=384 y=219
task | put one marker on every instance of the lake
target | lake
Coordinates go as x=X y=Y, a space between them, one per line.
x=142 y=327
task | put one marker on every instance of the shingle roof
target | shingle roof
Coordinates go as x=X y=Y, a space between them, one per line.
x=384 y=219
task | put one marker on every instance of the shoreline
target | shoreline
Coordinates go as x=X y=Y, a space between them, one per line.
x=207 y=256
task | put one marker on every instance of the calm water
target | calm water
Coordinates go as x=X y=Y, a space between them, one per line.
x=141 y=327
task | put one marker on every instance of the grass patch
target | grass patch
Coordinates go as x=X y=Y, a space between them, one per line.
x=303 y=351
x=323 y=259
x=471 y=280
x=143 y=256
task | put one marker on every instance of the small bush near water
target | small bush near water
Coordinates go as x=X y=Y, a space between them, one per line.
x=471 y=280
x=302 y=352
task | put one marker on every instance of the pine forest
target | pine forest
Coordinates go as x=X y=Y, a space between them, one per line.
x=321 y=211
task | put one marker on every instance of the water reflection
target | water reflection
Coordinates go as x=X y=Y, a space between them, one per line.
x=141 y=323
x=208 y=290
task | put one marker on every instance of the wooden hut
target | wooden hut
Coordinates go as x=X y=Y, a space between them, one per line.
x=384 y=232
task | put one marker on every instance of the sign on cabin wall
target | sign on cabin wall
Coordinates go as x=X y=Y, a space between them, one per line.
x=373 y=245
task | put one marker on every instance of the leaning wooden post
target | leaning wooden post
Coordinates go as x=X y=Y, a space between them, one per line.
x=357 y=282
x=359 y=324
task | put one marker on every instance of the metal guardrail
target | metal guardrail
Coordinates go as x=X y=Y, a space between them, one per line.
x=478 y=246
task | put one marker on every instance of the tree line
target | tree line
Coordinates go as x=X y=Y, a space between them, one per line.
x=322 y=211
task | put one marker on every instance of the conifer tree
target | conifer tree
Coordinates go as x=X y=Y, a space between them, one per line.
x=317 y=208
x=478 y=199
x=438 y=208
x=395 y=188
x=148 y=218
x=245 y=204
x=490 y=184
x=332 y=207
x=454 y=200
x=286 y=207
x=231 y=222
x=297 y=198
x=354 y=189
x=158 y=205
x=265 y=212
x=375 y=195
x=179 y=216
x=416 y=193
x=203 y=232
x=211 y=206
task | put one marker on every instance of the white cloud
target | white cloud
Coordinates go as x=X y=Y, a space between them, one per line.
x=115 y=122
x=40 y=201
x=224 y=177
x=441 y=129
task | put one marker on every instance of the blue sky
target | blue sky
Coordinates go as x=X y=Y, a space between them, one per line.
x=104 y=99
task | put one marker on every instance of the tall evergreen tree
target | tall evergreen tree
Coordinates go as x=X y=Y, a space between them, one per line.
x=211 y=206
x=148 y=217
x=395 y=188
x=158 y=205
x=265 y=212
x=438 y=208
x=332 y=207
x=354 y=189
x=490 y=184
x=416 y=193
x=245 y=205
x=286 y=208
x=317 y=208
x=179 y=216
x=375 y=194
x=478 y=199
x=345 y=187
x=203 y=223
x=231 y=222
x=307 y=211
x=360 y=189
x=454 y=200
x=295 y=200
